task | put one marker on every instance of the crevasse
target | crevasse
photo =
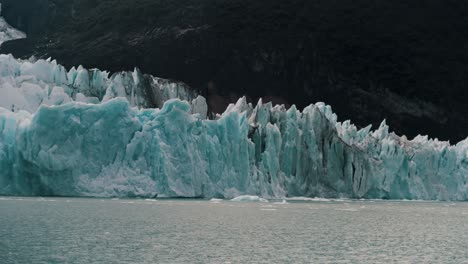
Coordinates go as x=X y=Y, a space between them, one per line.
x=83 y=133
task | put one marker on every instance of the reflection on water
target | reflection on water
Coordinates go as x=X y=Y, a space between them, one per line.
x=73 y=230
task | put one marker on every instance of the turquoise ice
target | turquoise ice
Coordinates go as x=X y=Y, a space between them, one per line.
x=82 y=133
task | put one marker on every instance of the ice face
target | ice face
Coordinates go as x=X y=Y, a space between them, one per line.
x=64 y=145
x=8 y=32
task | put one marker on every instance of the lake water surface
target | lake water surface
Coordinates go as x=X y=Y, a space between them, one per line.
x=75 y=230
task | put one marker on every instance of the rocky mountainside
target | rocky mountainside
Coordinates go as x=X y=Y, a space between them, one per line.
x=403 y=61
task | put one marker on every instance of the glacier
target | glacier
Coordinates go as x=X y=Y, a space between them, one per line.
x=84 y=133
x=7 y=32
x=26 y=85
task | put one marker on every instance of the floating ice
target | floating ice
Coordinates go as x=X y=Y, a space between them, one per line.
x=315 y=199
x=82 y=133
x=249 y=198
x=282 y=202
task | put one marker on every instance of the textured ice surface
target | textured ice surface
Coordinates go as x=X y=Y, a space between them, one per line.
x=26 y=85
x=8 y=32
x=81 y=133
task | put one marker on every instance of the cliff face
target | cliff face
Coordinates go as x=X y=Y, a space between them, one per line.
x=370 y=60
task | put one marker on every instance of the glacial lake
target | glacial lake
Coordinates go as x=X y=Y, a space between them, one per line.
x=78 y=230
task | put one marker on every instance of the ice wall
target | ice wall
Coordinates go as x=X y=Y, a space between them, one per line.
x=115 y=149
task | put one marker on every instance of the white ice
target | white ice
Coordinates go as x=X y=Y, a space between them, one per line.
x=8 y=32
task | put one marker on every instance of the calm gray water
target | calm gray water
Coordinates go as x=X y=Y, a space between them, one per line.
x=67 y=230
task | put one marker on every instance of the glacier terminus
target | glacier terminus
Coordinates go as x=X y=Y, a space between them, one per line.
x=83 y=132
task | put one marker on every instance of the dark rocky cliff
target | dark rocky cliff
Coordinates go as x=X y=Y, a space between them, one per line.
x=403 y=61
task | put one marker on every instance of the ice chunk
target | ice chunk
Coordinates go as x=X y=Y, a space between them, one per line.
x=200 y=107
x=315 y=199
x=282 y=202
x=249 y=198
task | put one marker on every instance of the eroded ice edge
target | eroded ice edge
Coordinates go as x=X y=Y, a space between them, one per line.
x=84 y=133
x=8 y=32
